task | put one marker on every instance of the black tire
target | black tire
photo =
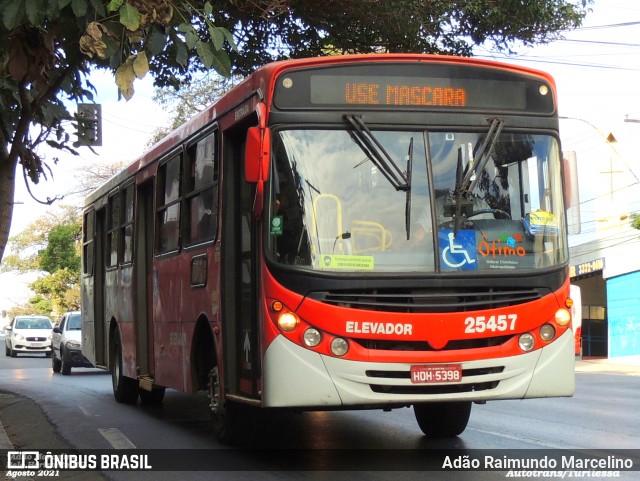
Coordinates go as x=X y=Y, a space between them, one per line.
x=152 y=398
x=56 y=364
x=48 y=354
x=125 y=389
x=12 y=353
x=65 y=366
x=231 y=421
x=442 y=419
x=6 y=351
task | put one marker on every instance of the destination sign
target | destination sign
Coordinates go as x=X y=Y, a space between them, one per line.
x=419 y=92
x=414 y=85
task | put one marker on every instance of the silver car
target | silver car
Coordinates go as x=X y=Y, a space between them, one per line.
x=28 y=335
x=67 y=344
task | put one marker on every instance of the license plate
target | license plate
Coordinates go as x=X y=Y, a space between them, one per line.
x=436 y=373
x=36 y=344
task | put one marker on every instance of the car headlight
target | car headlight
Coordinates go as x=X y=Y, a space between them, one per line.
x=72 y=345
x=19 y=337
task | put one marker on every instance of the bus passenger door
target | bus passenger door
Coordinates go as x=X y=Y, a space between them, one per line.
x=100 y=335
x=239 y=272
x=142 y=273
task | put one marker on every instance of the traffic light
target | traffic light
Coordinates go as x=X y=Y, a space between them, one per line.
x=89 y=118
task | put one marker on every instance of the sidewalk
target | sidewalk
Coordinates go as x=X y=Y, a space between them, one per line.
x=620 y=365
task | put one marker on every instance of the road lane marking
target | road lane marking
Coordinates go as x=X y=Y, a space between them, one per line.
x=116 y=438
x=525 y=439
x=85 y=411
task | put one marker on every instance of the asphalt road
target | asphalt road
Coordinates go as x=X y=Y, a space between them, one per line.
x=42 y=410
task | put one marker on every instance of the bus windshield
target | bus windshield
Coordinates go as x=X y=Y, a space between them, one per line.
x=457 y=201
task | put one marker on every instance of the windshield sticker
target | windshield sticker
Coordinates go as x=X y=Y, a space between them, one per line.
x=504 y=246
x=541 y=222
x=458 y=251
x=341 y=261
x=505 y=251
x=276 y=225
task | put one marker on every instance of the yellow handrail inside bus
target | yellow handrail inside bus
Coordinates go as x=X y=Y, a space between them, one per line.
x=327 y=220
x=369 y=236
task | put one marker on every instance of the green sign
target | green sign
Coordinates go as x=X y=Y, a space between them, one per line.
x=342 y=261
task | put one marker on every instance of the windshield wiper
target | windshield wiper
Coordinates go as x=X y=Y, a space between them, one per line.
x=466 y=180
x=482 y=156
x=407 y=203
x=365 y=139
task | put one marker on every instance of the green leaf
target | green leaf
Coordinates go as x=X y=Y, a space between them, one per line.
x=229 y=36
x=99 y=8
x=216 y=59
x=35 y=11
x=185 y=27
x=79 y=7
x=156 y=42
x=63 y=3
x=208 y=9
x=114 y=5
x=130 y=17
x=191 y=38
x=13 y=14
x=182 y=53
x=217 y=37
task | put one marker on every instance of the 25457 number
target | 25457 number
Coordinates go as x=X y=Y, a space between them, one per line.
x=499 y=323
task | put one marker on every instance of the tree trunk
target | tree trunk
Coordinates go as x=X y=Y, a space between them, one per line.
x=7 y=192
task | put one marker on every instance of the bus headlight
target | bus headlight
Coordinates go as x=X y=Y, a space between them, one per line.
x=312 y=337
x=526 y=342
x=563 y=317
x=287 y=321
x=547 y=332
x=339 y=346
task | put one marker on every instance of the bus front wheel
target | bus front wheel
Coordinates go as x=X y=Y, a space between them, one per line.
x=442 y=419
x=231 y=421
x=125 y=389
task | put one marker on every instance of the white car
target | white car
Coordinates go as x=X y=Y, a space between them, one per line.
x=67 y=344
x=28 y=335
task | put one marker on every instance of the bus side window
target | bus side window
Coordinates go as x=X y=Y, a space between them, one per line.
x=202 y=190
x=126 y=226
x=169 y=196
x=113 y=229
x=87 y=242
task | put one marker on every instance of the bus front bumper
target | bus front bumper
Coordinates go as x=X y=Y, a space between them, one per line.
x=298 y=377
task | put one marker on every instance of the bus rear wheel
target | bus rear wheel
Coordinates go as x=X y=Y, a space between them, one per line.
x=231 y=421
x=442 y=419
x=125 y=389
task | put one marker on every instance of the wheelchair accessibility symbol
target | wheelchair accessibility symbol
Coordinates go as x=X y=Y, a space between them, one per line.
x=458 y=251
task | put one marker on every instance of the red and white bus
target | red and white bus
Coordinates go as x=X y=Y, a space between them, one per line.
x=368 y=231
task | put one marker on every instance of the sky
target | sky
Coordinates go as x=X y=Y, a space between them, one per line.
x=597 y=72
x=596 y=68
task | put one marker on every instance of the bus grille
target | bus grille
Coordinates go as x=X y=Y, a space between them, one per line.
x=436 y=300
x=422 y=346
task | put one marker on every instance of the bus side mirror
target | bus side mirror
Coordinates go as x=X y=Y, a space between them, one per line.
x=571 y=192
x=257 y=154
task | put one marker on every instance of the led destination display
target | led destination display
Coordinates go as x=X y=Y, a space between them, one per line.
x=425 y=86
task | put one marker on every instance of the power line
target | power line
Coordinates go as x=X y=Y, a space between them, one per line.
x=611 y=25
x=600 y=42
